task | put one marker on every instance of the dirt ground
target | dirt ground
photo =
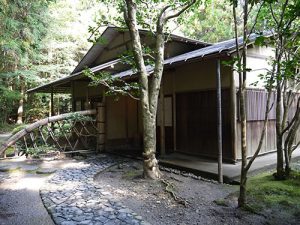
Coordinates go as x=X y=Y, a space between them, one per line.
x=198 y=201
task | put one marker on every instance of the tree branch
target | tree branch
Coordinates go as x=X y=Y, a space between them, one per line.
x=273 y=14
x=181 y=11
x=255 y=21
x=293 y=119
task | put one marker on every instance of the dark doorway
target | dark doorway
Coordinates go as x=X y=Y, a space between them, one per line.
x=196 y=123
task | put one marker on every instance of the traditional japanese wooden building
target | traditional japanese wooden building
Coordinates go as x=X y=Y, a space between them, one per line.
x=188 y=112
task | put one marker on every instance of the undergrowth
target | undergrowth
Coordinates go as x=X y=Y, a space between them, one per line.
x=6 y=127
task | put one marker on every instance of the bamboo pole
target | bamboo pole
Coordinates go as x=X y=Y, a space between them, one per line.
x=53 y=137
x=26 y=145
x=42 y=135
x=100 y=124
x=65 y=135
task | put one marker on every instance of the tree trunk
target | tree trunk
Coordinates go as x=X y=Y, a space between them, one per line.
x=242 y=88
x=279 y=135
x=290 y=138
x=151 y=168
x=149 y=85
x=243 y=188
x=243 y=180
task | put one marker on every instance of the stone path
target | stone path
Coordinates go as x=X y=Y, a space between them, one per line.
x=73 y=198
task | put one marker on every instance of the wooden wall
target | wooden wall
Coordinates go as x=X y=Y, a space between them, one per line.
x=254 y=129
x=255 y=106
x=180 y=85
x=258 y=61
x=82 y=94
x=195 y=77
x=123 y=123
x=196 y=123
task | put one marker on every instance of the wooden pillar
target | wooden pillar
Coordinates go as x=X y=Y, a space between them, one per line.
x=87 y=102
x=58 y=104
x=174 y=114
x=73 y=104
x=162 y=121
x=219 y=121
x=100 y=123
x=51 y=103
x=233 y=116
x=126 y=119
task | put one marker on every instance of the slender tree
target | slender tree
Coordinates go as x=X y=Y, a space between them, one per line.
x=278 y=78
x=282 y=17
x=153 y=15
x=242 y=69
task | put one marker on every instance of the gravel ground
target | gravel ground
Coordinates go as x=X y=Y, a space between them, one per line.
x=117 y=193
x=150 y=199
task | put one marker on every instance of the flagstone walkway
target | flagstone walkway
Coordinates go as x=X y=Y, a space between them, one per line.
x=72 y=197
x=70 y=194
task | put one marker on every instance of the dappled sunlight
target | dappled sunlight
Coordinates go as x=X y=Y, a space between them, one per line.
x=22 y=173
x=30 y=183
x=77 y=165
x=122 y=194
x=23 y=180
x=131 y=187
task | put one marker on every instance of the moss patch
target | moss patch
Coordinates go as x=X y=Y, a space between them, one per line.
x=9 y=169
x=266 y=193
x=131 y=174
x=5 y=127
x=221 y=202
x=10 y=151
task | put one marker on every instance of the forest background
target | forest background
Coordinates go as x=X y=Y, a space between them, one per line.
x=41 y=41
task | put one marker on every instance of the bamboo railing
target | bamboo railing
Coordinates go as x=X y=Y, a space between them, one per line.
x=52 y=130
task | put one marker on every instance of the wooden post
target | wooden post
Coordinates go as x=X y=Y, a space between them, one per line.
x=126 y=120
x=162 y=121
x=219 y=121
x=137 y=124
x=51 y=103
x=233 y=108
x=58 y=103
x=100 y=123
x=73 y=96
x=87 y=102
x=174 y=114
